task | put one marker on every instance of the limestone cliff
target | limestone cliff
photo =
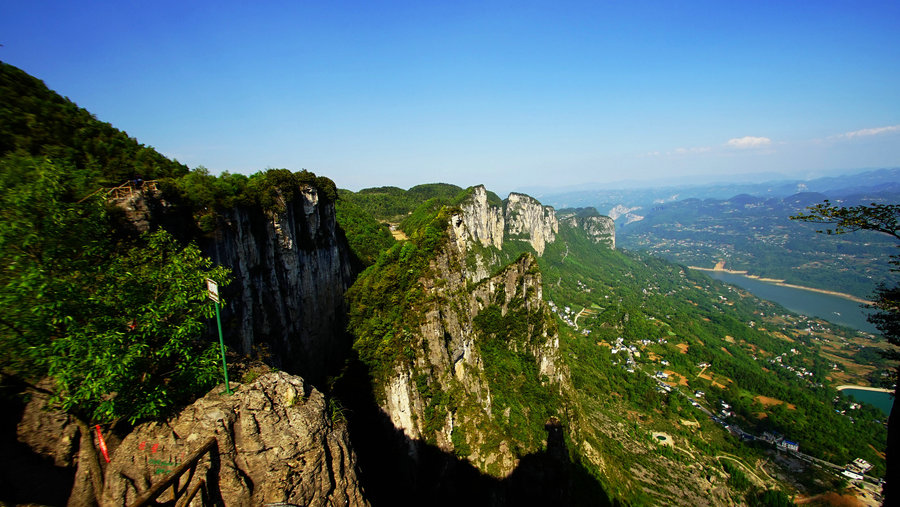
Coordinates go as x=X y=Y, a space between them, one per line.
x=527 y=220
x=479 y=221
x=290 y=268
x=481 y=229
x=276 y=444
x=472 y=346
x=601 y=229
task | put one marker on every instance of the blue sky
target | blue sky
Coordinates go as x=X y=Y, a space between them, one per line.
x=510 y=94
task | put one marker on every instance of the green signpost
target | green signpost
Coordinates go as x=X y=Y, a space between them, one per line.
x=212 y=289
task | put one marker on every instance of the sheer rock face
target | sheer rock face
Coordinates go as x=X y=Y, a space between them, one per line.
x=479 y=221
x=276 y=444
x=448 y=358
x=528 y=220
x=290 y=269
x=600 y=229
x=522 y=218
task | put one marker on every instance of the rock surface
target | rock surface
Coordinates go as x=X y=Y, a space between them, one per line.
x=290 y=269
x=448 y=363
x=479 y=221
x=528 y=220
x=601 y=229
x=522 y=218
x=276 y=444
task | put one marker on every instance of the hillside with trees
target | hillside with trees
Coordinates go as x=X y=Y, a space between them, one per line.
x=754 y=234
x=568 y=372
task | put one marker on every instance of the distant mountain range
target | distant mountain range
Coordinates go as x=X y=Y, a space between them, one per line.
x=876 y=184
x=747 y=226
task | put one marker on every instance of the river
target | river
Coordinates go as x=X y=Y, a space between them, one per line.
x=832 y=308
x=816 y=304
x=880 y=399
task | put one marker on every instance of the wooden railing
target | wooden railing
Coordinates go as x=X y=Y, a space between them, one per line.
x=124 y=191
x=182 y=496
x=129 y=189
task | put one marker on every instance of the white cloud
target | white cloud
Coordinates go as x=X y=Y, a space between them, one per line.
x=870 y=132
x=748 y=142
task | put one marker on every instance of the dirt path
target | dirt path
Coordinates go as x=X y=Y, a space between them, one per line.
x=750 y=472
x=576 y=318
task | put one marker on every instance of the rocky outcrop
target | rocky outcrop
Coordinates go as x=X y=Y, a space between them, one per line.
x=479 y=225
x=290 y=269
x=619 y=211
x=479 y=221
x=528 y=220
x=45 y=430
x=276 y=443
x=444 y=397
x=599 y=228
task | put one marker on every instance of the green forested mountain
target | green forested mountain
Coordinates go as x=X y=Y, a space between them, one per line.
x=37 y=121
x=624 y=317
x=497 y=349
x=393 y=204
x=756 y=234
x=678 y=320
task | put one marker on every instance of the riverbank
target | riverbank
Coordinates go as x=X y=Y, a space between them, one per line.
x=865 y=388
x=781 y=283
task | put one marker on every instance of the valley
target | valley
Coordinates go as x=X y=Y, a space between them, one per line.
x=434 y=345
x=750 y=230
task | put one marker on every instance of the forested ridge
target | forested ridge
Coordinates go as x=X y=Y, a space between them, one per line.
x=75 y=278
x=39 y=122
x=774 y=371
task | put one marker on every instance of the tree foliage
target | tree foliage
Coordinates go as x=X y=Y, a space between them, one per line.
x=36 y=121
x=116 y=326
x=881 y=218
x=874 y=217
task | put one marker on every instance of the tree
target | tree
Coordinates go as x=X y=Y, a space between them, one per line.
x=874 y=217
x=116 y=325
x=883 y=218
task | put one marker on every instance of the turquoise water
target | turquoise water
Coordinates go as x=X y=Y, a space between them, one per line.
x=881 y=400
x=814 y=304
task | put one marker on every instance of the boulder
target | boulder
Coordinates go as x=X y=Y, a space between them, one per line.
x=276 y=443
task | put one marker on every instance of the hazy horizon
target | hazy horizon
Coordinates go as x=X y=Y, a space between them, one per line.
x=508 y=94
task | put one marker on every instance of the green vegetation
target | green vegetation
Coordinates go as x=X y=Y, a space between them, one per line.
x=769 y=498
x=366 y=236
x=203 y=196
x=757 y=235
x=736 y=479
x=38 y=122
x=384 y=298
x=512 y=372
x=668 y=313
x=115 y=325
x=393 y=204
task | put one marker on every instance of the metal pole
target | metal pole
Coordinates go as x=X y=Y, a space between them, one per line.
x=222 y=348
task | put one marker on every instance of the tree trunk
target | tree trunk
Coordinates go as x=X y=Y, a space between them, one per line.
x=88 y=485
